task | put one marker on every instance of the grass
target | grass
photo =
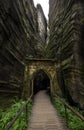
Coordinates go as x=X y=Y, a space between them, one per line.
x=6 y=116
x=74 y=122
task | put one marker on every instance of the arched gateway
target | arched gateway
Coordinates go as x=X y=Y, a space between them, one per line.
x=39 y=74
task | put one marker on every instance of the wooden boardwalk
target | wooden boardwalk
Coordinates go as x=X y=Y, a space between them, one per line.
x=44 y=116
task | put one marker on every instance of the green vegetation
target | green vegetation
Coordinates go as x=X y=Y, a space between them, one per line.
x=6 y=116
x=73 y=121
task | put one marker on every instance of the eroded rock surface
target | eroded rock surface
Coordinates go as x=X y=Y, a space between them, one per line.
x=66 y=45
x=19 y=37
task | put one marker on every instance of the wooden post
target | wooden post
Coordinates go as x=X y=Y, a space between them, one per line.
x=26 y=113
x=66 y=114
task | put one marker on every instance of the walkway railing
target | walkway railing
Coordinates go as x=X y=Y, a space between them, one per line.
x=67 y=106
x=24 y=108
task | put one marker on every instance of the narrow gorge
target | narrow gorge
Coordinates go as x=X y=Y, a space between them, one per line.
x=25 y=33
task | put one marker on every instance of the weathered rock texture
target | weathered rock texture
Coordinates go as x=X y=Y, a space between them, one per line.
x=19 y=37
x=66 y=45
x=23 y=33
x=42 y=23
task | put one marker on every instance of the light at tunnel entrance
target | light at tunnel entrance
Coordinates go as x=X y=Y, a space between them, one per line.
x=41 y=82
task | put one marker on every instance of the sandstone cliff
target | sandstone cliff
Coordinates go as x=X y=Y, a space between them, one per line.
x=19 y=37
x=66 y=45
x=42 y=23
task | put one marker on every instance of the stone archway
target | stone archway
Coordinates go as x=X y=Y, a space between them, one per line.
x=33 y=66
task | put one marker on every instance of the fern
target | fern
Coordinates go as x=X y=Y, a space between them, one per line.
x=8 y=115
x=73 y=121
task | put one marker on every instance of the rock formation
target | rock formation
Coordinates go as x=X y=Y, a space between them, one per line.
x=66 y=45
x=19 y=37
x=42 y=23
x=23 y=33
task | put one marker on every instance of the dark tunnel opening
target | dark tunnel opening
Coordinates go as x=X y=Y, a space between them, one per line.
x=41 y=82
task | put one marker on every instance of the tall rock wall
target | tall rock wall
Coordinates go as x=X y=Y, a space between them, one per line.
x=19 y=37
x=42 y=30
x=42 y=23
x=66 y=45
